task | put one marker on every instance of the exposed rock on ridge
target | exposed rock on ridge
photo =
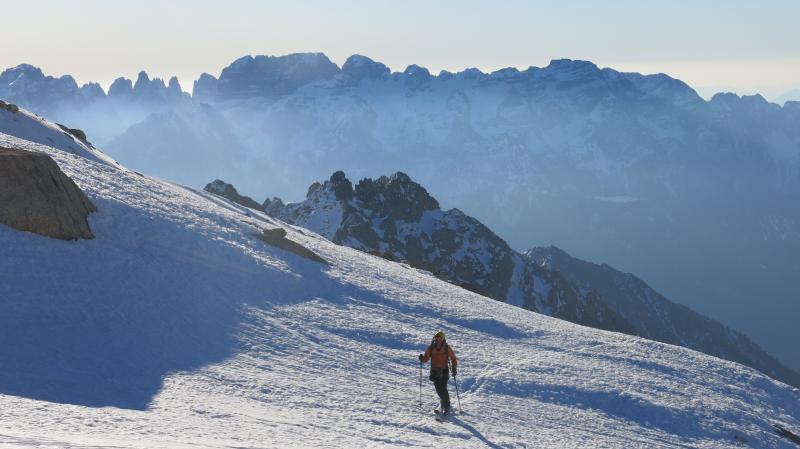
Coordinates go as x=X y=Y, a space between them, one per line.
x=36 y=196
x=225 y=190
x=277 y=237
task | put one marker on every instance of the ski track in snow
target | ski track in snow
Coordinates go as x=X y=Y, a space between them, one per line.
x=176 y=328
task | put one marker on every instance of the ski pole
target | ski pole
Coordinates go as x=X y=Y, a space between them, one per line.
x=455 y=380
x=460 y=412
x=420 y=384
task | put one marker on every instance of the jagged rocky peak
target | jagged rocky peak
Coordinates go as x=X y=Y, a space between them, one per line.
x=313 y=188
x=205 y=88
x=361 y=67
x=154 y=89
x=340 y=185
x=273 y=207
x=174 y=87
x=23 y=70
x=92 y=90
x=121 y=87
x=395 y=196
x=273 y=75
x=225 y=190
x=142 y=80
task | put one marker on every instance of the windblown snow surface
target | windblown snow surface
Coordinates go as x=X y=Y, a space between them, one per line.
x=177 y=328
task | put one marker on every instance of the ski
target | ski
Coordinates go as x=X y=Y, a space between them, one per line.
x=441 y=417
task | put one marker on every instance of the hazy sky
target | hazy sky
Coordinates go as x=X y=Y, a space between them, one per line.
x=740 y=46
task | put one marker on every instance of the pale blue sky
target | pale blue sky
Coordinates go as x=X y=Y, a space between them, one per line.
x=741 y=46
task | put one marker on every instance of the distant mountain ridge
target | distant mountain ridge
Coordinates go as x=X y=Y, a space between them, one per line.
x=657 y=318
x=396 y=218
x=697 y=197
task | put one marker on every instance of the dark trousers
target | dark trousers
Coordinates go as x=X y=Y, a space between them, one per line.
x=440 y=376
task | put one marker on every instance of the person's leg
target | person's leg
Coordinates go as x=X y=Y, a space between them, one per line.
x=441 y=390
x=435 y=376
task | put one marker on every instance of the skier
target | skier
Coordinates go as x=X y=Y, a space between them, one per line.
x=439 y=351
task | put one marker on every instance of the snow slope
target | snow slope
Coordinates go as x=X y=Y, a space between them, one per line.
x=31 y=127
x=176 y=327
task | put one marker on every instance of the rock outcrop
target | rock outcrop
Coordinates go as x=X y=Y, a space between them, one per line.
x=277 y=237
x=225 y=190
x=36 y=196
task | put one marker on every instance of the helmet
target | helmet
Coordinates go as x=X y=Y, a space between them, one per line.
x=439 y=334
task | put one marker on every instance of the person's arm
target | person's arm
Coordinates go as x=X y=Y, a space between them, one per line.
x=453 y=359
x=426 y=356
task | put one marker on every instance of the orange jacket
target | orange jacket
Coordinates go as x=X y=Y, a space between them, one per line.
x=438 y=356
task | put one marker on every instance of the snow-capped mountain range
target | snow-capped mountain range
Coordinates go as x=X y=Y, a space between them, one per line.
x=178 y=326
x=396 y=218
x=696 y=197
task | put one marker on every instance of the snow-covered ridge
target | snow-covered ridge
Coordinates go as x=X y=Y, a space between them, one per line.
x=25 y=125
x=197 y=333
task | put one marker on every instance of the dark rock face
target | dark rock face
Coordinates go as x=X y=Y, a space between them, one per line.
x=77 y=133
x=340 y=185
x=657 y=318
x=396 y=197
x=36 y=196
x=225 y=190
x=12 y=108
